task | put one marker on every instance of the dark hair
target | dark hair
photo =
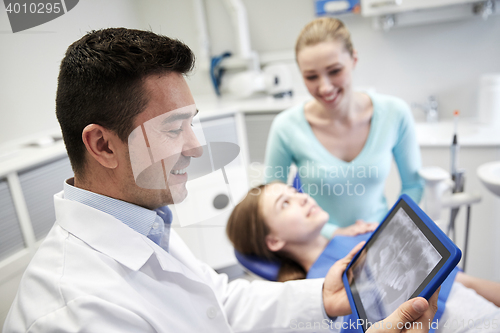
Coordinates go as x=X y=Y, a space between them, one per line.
x=101 y=82
x=247 y=230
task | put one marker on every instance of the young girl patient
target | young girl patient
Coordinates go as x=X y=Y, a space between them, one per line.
x=276 y=222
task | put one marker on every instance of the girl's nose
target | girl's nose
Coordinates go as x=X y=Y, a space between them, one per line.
x=325 y=85
x=303 y=198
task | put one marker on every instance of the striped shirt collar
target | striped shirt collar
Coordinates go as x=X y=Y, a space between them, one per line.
x=138 y=218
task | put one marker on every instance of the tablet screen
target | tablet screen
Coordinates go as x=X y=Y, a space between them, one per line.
x=395 y=265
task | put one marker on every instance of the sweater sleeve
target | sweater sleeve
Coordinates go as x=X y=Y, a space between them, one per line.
x=407 y=155
x=328 y=230
x=278 y=154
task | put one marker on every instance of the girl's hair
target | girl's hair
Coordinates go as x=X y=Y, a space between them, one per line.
x=322 y=30
x=247 y=230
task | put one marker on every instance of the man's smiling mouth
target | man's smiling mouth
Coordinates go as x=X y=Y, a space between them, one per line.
x=178 y=171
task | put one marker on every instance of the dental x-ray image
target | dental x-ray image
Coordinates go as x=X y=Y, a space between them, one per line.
x=394 y=266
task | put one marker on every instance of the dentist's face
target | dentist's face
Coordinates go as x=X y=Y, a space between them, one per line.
x=163 y=142
x=326 y=69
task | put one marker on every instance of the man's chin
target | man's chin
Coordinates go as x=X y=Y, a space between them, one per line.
x=178 y=192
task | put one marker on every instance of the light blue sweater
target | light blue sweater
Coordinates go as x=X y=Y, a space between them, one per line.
x=348 y=190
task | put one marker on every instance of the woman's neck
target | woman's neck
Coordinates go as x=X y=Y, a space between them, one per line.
x=307 y=253
x=345 y=113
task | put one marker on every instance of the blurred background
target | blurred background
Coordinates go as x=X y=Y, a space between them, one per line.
x=439 y=56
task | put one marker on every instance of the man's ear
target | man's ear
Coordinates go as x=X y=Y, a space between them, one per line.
x=101 y=145
x=274 y=243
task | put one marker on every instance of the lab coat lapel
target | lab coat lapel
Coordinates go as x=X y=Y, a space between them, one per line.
x=111 y=237
x=102 y=232
x=171 y=263
x=180 y=251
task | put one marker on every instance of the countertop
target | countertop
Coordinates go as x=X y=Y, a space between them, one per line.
x=210 y=106
x=470 y=133
x=25 y=153
x=440 y=134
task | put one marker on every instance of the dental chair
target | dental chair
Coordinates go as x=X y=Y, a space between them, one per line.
x=266 y=269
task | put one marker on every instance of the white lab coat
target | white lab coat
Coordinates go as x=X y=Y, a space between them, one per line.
x=95 y=274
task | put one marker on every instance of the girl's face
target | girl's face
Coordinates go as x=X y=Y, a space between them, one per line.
x=292 y=217
x=326 y=69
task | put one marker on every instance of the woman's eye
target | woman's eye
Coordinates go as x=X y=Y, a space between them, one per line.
x=335 y=71
x=311 y=77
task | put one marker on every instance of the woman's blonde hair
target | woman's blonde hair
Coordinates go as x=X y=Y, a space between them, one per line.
x=247 y=230
x=322 y=30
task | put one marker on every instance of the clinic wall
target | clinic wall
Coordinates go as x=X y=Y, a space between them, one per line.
x=443 y=59
x=176 y=19
x=29 y=62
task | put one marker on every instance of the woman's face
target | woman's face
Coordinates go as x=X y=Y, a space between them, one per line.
x=292 y=217
x=326 y=69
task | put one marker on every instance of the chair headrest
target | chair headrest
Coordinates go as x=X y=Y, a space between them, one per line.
x=264 y=268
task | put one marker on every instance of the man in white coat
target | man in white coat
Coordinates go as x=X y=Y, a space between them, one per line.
x=110 y=263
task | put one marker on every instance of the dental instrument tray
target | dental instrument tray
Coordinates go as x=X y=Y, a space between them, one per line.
x=407 y=256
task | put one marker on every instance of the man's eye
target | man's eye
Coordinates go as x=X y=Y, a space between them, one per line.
x=175 y=132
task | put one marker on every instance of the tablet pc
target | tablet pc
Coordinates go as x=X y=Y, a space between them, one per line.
x=407 y=256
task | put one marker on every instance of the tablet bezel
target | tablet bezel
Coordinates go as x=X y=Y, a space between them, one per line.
x=450 y=253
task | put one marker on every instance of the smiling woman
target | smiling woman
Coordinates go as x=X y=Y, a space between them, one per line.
x=342 y=129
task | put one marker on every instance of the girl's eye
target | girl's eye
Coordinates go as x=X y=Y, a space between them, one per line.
x=335 y=71
x=311 y=77
x=285 y=204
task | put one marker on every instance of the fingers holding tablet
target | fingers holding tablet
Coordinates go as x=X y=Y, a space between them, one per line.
x=358 y=228
x=406 y=257
x=413 y=316
x=334 y=294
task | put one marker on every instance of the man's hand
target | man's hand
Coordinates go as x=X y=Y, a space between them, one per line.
x=334 y=294
x=413 y=316
x=358 y=228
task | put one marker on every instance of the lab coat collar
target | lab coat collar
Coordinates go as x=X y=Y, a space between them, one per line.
x=102 y=232
x=113 y=238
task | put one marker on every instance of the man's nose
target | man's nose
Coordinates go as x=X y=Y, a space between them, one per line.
x=192 y=147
